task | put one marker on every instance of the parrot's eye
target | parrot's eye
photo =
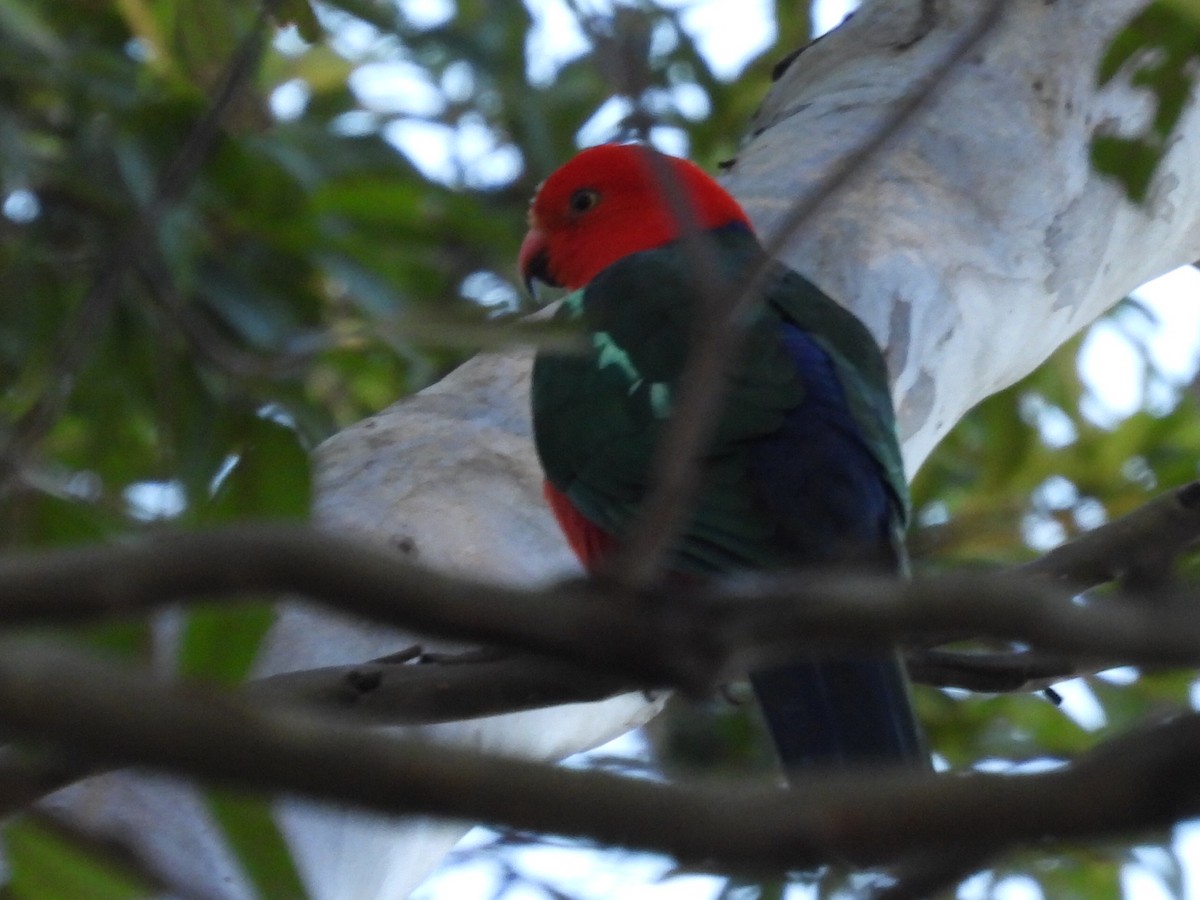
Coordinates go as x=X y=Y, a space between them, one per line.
x=583 y=200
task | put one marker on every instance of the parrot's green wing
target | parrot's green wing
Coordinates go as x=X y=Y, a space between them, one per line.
x=599 y=415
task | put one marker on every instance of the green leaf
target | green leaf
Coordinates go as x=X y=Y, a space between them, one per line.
x=1172 y=30
x=206 y=33
x=49 y=861
x=271 y=476
x=56 y=521
x=254 y=837
x=1131 y=161
x=221 y=643
x=299 y=13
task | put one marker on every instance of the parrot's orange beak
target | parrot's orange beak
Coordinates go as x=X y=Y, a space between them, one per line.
x=533 y=260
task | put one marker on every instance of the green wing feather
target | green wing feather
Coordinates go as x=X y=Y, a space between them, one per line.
x=599 y=415
x=860 y=367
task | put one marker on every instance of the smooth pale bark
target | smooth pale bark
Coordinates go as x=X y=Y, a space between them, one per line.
x=981 y=239
x=975 y=244
x=449 y=479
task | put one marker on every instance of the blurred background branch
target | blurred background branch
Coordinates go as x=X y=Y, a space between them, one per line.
x=80 y=336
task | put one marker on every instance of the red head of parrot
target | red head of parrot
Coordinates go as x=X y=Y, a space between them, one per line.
x=608 y=202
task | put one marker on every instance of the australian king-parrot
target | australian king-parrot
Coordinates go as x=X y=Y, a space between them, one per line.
x=803 y=470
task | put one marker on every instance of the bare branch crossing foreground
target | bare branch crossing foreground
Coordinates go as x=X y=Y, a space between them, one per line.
x=1140 y=781
x=572 y=642
x=690 y=640
x=387 y=693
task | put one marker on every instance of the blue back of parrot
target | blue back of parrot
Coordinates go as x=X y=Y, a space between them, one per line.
x=833 y=507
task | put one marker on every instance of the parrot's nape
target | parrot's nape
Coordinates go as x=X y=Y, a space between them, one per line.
x=803 y=470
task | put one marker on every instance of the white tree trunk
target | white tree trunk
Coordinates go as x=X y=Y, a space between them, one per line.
x=981 y=239
x=448 y=478
x=978 y=242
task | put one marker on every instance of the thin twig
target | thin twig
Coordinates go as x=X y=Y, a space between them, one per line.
x=431 y=692
x=674 y=478
x=209 y=342
x=621 y=50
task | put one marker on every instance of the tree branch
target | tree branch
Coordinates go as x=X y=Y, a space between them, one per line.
x=424 y=692
x=68 y=585
x=441 y=688
x=1143 y=780
x=409 y=694
x=688 y=639
x=1150 y=537
x=996 y=673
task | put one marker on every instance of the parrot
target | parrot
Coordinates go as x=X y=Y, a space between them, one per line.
x=803 y=468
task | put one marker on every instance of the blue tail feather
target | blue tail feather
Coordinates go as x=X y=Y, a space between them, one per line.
x=841 y=712
x=833 y=507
